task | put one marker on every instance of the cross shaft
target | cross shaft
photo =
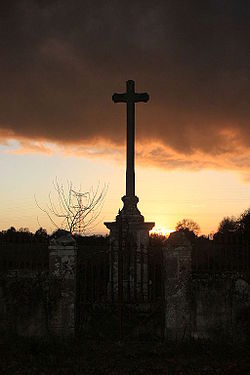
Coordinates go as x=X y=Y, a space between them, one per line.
x=130 y=97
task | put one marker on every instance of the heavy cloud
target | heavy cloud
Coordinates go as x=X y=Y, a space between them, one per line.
x=62 y=60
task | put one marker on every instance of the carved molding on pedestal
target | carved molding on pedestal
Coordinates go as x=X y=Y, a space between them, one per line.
x=130 y=209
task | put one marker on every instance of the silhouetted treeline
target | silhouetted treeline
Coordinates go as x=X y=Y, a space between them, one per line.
x=228 y=227
x=23 y=235
x=232 y=225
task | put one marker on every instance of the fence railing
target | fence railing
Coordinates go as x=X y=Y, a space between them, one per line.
x=100 y=271
x=226 y=253
x=30 y=256
x=129 y=285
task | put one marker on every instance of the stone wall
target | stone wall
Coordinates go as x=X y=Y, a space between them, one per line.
x=23 y=303
x=198 y=305
x=203 y=305
x=220 y=305
x=36 y=303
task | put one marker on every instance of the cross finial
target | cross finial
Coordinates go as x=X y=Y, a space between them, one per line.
x=130 y=97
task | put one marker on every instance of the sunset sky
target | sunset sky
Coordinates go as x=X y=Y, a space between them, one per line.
x=60 y=63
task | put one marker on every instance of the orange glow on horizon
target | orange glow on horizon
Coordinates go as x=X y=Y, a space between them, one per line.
x=162 y=231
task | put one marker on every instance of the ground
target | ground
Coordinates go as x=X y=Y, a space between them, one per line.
x=33 y=356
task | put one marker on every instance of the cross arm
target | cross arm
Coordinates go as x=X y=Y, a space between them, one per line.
x=119 y=98
x=143 y=97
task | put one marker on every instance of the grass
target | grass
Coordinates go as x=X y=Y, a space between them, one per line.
x=51 y=356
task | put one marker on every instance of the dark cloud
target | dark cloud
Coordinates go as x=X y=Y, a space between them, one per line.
x=62 y=60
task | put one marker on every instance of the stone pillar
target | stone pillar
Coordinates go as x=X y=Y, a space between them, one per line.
x=177 y=255
x=62 y=267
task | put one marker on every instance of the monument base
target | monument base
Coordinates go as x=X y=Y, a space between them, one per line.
x=128 y=254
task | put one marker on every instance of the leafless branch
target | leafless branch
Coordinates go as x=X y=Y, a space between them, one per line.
x=74 y=210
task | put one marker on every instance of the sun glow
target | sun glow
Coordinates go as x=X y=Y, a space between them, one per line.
x=162 y=231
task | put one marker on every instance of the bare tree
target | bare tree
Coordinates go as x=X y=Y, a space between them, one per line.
x=188 y=225
x=72 y=209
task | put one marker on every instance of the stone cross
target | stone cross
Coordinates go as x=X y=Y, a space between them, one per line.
x=130 y=97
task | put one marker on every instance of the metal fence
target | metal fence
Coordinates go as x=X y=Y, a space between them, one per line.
x=119 y=294
x=31 y=255
x=224 y=253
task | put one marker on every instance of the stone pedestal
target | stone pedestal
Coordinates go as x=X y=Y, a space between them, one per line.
x=177 y=279
x=62 y=266
x=128 y=249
